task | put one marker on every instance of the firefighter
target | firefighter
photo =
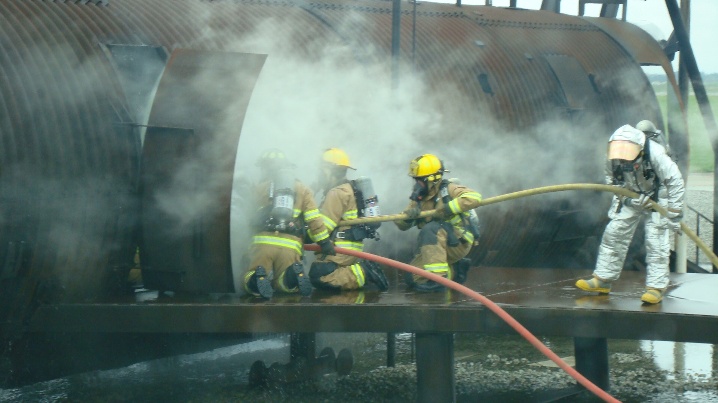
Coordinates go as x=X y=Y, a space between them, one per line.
x=345 y=200
x=638 y=163
x=285 y=207
x=444 y=239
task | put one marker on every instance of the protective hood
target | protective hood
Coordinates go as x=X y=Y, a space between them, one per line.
x=626 y=143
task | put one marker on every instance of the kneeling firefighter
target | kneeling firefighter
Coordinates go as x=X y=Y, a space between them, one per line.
x=285 y=207
x=346 y=200
x=446 y=238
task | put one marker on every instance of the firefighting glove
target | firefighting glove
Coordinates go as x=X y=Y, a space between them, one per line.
x=643 y=202
x=412 y=213
x=327 y=248
x=672 y=222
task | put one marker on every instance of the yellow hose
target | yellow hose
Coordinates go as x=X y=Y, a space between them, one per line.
x=549 y=189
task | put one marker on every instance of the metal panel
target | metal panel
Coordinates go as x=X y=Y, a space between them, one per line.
x=187 y=179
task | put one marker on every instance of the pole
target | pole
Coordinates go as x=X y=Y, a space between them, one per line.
x=688 y=60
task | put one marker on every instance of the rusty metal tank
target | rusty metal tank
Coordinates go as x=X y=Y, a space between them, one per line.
x=109 y=143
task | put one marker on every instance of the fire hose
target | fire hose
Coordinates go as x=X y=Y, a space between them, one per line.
x=487 y=302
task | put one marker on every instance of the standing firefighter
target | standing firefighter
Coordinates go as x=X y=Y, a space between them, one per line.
x=346 y=200
x=641 y=165
x=446 y=238
x=285 y=205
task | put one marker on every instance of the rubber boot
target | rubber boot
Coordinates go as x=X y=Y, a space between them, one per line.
x=594 y=284
x=652 y=296
x=461 y=270
x=429 y=286
x=374 y=274
x=261 y=282
x=295 y=277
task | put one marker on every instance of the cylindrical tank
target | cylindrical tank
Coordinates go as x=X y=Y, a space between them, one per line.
x=512 y=98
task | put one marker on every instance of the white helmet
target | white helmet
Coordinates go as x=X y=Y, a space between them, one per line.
x=647 y=126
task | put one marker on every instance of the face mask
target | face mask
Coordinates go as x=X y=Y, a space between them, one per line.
x=420 y=189
x=621 y=167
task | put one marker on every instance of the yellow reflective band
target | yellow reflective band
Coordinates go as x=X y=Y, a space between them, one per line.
x=356 y=246
x=469 y=236
x=282 y=286
x=360 y=298
x=310 y=215
x=359 y=273
x=454 y=206
x=296 y=213
x=437 y=268
x=276 y=241
x=350 y=215
x=247 y=276
x=323 y=234
x=329 y=223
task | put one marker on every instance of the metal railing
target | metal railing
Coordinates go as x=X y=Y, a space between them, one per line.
x=698 y=229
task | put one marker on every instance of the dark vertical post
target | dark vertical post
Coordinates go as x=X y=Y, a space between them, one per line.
x=390 y=350
x=302 y=345
x=435 y=367
x=592 y=359
x=688 y=61
x=395 y=41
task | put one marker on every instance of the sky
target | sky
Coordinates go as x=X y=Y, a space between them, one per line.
x=652 y=16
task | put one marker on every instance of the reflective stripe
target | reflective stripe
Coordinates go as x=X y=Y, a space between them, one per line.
x=282 y=286
x=329 y=223
x=350 y=215
x=356 y=246
x=359 y=273
x=454 y=206
x=296 y=213
x=323 y=234
x=310 y=215
x=247 y=276
x=276 y=241
x=437 y=268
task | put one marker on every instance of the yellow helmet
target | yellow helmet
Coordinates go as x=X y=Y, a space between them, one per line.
x=427 y=166
x=336 y=157
x=272 y=158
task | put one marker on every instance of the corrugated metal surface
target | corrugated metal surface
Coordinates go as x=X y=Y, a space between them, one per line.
x=70 y=173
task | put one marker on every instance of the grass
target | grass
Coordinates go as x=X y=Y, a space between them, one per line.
x=701 y=151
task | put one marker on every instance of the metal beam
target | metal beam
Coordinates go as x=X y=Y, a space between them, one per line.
x=688 y=61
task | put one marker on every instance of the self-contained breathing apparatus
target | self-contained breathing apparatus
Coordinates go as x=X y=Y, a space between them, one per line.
x=280 y=214
x=367 y=206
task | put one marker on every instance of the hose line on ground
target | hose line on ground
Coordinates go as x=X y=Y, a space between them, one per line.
x=549 y=189
x=489 y=304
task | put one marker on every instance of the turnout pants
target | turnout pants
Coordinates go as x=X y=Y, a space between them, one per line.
x=435 y=255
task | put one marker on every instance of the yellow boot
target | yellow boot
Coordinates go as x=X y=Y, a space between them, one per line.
x=594 y=284
x=652 y=296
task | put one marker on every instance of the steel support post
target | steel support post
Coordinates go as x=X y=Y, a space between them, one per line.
x=592 y=359
x=435 y=367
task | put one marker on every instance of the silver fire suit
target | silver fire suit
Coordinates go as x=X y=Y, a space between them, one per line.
x=624 y=219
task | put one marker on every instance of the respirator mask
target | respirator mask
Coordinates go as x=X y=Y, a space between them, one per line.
x=420 y=190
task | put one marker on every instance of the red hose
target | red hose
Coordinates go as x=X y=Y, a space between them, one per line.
x=489 y=304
